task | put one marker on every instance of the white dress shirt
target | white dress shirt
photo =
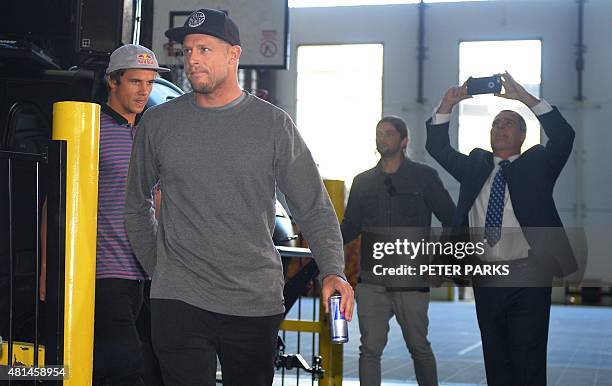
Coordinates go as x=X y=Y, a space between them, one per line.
x=512 y=244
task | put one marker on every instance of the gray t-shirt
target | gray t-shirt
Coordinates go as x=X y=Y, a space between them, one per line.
x=219 y=170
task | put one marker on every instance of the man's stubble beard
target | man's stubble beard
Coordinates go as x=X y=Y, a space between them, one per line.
x=207 y=87
x=202 y=88
x=386 y=152
x=391 y=154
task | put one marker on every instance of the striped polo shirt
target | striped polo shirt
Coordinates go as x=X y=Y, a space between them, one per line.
x=114 y=256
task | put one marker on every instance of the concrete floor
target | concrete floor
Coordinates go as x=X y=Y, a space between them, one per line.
x=579 y=348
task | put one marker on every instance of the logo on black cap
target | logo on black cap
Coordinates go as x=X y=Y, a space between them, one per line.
x=207 y=22
x=196 y=19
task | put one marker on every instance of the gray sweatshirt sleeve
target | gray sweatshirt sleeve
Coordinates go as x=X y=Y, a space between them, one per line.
x=142 y=176
x=298 y=178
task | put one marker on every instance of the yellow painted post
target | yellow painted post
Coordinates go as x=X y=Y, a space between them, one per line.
x=335 y=189
x=331 y=353
x=79 y=124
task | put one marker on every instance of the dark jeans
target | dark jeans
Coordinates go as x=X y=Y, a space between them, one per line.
x=117 y=352
x=187 y=340
x=514 y=330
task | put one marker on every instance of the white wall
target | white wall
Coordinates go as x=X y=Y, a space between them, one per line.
x=555 y=22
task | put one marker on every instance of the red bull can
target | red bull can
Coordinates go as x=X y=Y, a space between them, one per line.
x=338 y=326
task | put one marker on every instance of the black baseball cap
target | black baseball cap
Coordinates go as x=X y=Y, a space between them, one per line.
x=207 y=22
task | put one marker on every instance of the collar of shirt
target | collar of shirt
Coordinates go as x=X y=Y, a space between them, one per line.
x=120 y=119
x=497 y=160
x=379 y=168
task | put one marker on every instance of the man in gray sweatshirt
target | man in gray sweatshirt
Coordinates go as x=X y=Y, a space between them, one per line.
x=219 y=154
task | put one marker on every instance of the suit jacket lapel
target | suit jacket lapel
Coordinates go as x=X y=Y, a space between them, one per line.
x=483 y=171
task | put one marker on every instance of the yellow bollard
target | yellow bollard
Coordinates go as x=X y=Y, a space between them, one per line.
x=335 y=189
x=332 y=354
x=79 y=124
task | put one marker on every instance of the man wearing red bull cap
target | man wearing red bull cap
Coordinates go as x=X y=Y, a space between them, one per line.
x=220 y=153
x=118 y=358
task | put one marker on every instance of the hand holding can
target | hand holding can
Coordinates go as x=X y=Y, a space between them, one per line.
x=338 y=326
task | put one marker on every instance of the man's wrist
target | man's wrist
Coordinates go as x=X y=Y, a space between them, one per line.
x=541 y=108
x=530 y=101
x=325 y=276
x=443 y=109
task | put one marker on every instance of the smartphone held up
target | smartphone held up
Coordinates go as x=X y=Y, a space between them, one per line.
x=486 y=85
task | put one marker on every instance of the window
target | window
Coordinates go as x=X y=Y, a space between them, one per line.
x=522 y=59
x=339 y=102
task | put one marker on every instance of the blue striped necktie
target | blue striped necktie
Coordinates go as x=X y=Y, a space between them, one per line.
x=495 y=209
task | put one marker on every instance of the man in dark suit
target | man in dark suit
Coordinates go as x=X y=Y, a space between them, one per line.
x=502 y=192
